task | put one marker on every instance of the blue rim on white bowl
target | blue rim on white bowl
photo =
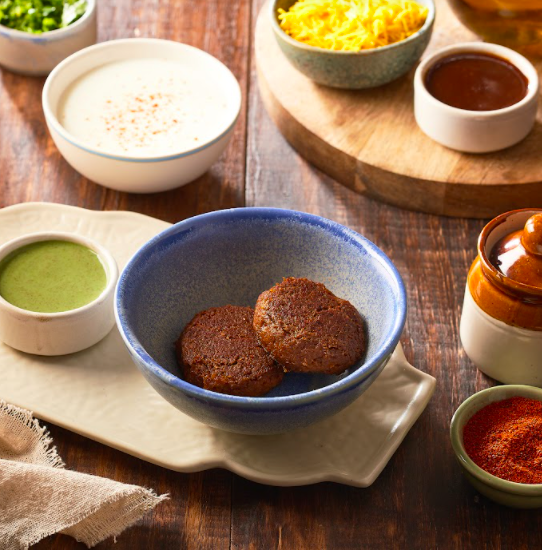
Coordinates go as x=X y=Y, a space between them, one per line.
x=89 y=51
x=275 y=402
x=50 y=36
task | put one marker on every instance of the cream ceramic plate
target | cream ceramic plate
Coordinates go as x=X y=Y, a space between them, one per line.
x=100 y=394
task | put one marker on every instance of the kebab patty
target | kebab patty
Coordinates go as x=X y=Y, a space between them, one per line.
x=219 y=351
x=306 y=328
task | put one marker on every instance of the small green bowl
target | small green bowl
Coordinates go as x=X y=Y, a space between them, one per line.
x=353 y=70
x=516 y=495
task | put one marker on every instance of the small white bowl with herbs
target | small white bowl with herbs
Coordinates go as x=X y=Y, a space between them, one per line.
x=37 y=35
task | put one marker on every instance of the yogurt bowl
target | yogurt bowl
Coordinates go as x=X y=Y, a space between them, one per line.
x=61 y=329
x=37 y=54
x=230 y=257
x=141 y=115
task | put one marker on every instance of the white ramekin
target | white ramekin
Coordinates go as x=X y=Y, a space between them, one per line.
x=475 y=131
x=67 y=331
x=131 y=173
x=38 y=54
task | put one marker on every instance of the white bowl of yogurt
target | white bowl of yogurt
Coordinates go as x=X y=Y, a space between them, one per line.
x=141 y=115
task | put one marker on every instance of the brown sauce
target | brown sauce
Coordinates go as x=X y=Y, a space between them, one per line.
x=476 y=82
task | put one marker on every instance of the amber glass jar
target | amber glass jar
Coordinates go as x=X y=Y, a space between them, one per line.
x=516 y=24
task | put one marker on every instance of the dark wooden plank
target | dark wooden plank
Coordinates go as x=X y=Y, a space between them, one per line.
x=421 y=499
x=198 y=514
x=32 y=168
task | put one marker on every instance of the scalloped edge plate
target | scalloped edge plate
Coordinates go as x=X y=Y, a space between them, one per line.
x=99 y=393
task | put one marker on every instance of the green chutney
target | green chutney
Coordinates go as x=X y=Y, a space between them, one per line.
x=51 y=276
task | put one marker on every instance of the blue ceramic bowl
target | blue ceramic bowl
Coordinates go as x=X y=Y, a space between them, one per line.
x=352 y=70
x=230 y=257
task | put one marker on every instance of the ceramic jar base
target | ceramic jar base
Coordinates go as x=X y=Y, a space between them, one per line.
x=511 y=355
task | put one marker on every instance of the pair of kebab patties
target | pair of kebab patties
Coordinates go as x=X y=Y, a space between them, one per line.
x=297 y=326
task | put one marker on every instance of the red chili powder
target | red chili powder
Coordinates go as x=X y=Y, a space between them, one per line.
x=505 y=439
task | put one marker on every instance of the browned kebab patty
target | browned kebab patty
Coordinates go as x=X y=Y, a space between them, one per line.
x=219 y=351
x=306 y=328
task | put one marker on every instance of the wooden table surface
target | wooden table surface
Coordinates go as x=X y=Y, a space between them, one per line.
x=420 y=500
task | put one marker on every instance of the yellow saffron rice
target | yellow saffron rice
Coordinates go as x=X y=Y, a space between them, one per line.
x=352 y=25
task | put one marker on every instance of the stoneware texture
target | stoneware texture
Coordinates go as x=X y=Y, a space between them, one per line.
x=475 y=131
x=512 y=355
x=507 y=353
x=38 y=54
x=352 y=70
x=99 y=392
x=67 y=331
x=230 y=257
x=516 y=495
x=129 y=173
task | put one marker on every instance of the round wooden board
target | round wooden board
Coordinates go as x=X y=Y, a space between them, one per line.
x=369 y=141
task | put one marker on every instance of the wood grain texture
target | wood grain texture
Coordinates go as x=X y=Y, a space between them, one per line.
x=421 y=499
x=369 y=141
x=32 y=168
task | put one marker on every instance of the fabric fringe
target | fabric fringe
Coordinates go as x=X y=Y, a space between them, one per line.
x=27 y=429
x=113 y=525
x=27 y=452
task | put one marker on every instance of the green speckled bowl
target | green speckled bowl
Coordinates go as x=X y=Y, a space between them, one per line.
x=516 y=495
x=353 y=70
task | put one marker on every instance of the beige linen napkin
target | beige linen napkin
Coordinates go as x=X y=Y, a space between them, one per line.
x=38 y=497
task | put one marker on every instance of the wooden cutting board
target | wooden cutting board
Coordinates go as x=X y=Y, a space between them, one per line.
x=369 y=141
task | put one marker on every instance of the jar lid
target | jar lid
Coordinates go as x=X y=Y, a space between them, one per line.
x=518 y=255
x=510 y=248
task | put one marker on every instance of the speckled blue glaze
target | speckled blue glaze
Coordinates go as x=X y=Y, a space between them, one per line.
x=353 y=70
x=230 y=257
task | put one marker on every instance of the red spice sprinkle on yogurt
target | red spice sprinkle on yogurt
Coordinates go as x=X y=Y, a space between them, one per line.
x=143 y=107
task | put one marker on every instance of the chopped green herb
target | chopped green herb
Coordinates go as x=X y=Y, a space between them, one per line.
x=37 y=16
